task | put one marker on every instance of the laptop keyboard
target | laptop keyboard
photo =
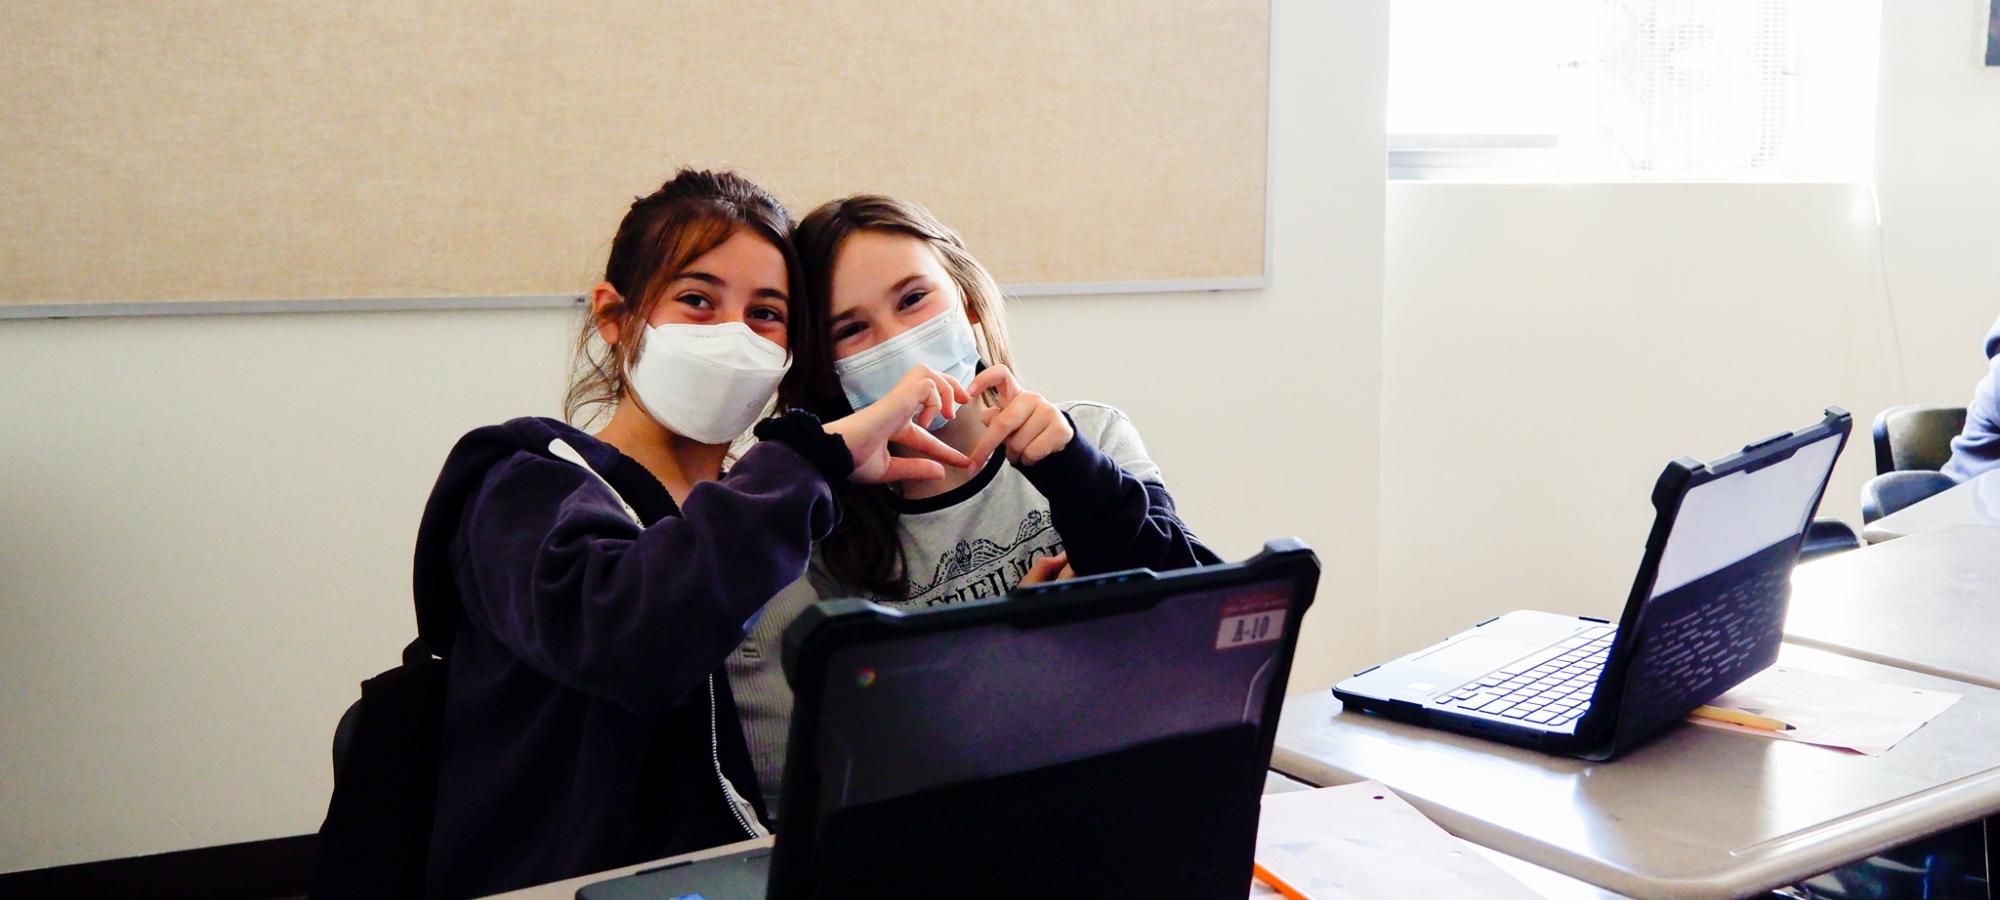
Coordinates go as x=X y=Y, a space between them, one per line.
x=1549 y=687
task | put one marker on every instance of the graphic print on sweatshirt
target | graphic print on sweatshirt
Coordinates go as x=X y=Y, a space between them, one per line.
x=979 y=568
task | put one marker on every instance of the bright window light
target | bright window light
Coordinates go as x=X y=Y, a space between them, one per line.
x=1632 y=89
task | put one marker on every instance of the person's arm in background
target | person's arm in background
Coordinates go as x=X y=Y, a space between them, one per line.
x=1976 y=450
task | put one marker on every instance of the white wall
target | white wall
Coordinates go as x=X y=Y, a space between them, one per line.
x=1937 y=163
x=205 y=523
x=1546 y=348
x=205 y=545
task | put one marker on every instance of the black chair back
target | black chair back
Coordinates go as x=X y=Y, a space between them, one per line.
x=1913 y=438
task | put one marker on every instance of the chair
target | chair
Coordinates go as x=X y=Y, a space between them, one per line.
x=343 y=739
x=1828 y=536
x=375 y=842
x=1892 y=491
x=1911 y=444
x=1910 y=438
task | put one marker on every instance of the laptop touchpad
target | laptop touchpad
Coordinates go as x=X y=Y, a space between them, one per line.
x=1473 y=655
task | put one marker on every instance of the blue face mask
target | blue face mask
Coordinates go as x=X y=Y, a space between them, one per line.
x=944 y=343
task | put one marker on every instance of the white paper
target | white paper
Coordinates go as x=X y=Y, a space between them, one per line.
x=1361 y=841
x=1830 y=710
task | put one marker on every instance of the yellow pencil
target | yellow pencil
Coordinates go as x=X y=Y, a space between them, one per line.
x=1739 y=717
x=1283 y=887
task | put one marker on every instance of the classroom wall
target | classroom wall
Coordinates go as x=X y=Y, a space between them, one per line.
x=1937 y=164
x=1546 y=348
x=205 y=522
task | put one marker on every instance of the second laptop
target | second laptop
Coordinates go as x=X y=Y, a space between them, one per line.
x=1707 y=610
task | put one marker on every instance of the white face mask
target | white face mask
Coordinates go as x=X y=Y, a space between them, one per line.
x=945 y=343
x=706 y=382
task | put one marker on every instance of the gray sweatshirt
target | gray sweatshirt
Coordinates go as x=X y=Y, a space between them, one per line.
x=978 y=541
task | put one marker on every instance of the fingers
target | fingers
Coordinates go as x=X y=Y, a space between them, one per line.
x=1046 y=569
x=958 y=391
x=926 y=443
x=947 y=393
x=905 y=468
x=1038 y=437
x=1017 y=443
x=1002 y=425
x=1053 y=435
x=932 y=403
x=998 y=378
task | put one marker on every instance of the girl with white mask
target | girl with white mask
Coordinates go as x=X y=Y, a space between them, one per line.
x=584 y=589
x=1053 y=489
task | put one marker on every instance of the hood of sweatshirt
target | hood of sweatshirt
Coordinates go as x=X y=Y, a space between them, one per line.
x=434 y=588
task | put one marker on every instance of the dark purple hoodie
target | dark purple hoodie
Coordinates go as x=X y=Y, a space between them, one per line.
x=587 y=722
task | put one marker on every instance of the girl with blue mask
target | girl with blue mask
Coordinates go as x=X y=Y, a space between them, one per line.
x=1054 y=488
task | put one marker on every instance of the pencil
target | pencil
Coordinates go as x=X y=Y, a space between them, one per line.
x=1739 y=717
x=1283 y=887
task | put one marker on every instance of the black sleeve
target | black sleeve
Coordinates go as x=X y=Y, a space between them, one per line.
x=803 y=432
x=1109 y=519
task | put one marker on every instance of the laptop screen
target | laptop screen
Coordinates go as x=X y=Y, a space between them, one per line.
x=1715 y=612
x=1731 y=518
x=981 y=702
x=1116 y=753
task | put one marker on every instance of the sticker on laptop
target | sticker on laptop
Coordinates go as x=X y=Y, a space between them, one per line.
x=1252 y=620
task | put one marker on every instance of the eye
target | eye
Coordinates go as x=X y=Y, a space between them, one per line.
x=694 y=299
x=911 y=299
x=848 y=330
x=767 y=314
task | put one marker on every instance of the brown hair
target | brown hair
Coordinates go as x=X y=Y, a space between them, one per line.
x=865 y=551
x=692 y=214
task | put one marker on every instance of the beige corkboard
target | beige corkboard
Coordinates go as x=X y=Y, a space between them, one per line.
x=246 y=150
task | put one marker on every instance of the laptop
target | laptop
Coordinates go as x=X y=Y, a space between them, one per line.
x=1103 y=736
x=1707 y=610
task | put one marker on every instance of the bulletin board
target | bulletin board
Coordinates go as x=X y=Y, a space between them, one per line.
x=202 y=154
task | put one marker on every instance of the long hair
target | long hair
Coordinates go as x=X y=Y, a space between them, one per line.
x=692 y=214
x=865 y=551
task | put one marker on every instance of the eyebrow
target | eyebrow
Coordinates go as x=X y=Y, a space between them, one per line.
x=893 y=290
x=706 y=278
x=898 y=287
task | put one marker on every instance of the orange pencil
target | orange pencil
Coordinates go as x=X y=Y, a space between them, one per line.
x=1283 y=887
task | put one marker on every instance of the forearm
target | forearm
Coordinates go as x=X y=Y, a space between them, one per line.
x=1108 y=518
x=641 y=616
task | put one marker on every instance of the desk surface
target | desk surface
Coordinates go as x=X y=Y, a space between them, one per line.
x=1696 y=812
x=1548 y=884
x=1976 y=502
x=1929 y=602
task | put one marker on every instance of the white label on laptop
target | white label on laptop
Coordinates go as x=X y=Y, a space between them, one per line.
x=1248 y=621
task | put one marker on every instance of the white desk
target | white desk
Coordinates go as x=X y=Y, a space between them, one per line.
x=1695 y=812
x=566 y=889
x=1929 y=602
x=1549 y=884
x=1976 y=502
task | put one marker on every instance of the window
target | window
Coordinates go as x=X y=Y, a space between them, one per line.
x=1632 y=89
